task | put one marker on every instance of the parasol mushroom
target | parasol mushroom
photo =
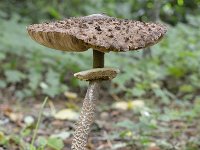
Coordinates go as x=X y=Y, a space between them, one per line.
x=103 y=34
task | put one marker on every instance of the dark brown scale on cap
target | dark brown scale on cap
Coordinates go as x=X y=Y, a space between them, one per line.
x=97 y=31
x=98 y=28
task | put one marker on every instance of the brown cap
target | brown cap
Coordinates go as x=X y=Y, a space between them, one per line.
x=97 y=31
x=97 y=74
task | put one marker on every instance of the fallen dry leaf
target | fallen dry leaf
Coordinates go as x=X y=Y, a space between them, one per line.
x=70 y=95
x=153 y=146
x=2 y=136
x=120 y=105
x=67 y=114
x=13 y=116
x=136 y=104
x=124 y=105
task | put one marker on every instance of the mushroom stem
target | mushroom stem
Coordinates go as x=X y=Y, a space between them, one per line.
x=87 y=117
x=98 y=59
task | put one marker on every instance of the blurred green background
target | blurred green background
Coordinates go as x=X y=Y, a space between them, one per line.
x=166 y=75
x=172 y=65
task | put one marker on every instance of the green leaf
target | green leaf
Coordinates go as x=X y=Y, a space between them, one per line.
x=138 y=92
x=176 y=71
x=55 y=143
x=2 y=84
x=14 y=76
x=186 y=88
x=53 y=12
x=32 y=147
x=62 y=135
x=42 y=141
x=2 y=56
x=126 y=124
x=34 y=80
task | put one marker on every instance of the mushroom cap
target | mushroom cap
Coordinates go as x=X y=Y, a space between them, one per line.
x=97 y=74
x=97 y=31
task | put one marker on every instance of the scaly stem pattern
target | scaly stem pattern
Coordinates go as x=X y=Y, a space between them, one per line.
x=87 y=115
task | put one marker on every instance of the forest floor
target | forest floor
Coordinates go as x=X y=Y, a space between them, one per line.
x=113 y=129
